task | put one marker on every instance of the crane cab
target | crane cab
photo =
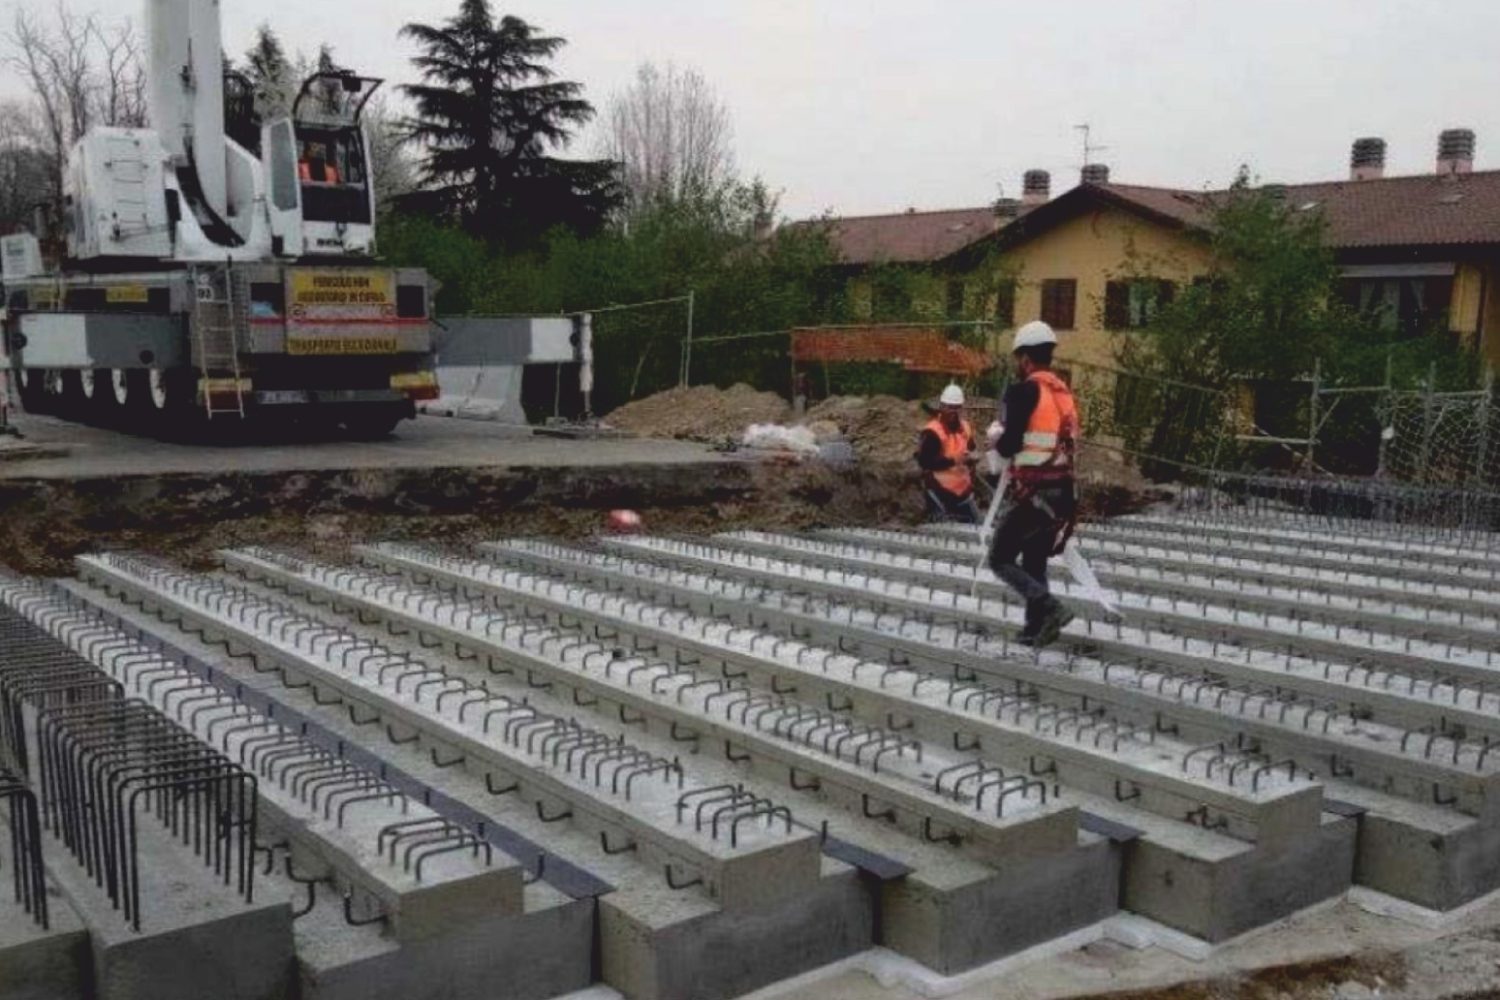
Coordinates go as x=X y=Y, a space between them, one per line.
x=322 y=196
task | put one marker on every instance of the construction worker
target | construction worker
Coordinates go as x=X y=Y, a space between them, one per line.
x=945 y=452
x=1039 y=438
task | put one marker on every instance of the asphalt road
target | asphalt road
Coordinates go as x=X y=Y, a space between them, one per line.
x=436 y=442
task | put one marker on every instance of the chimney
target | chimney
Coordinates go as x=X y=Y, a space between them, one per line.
x=1007 y=208
x=1455 y=151
x=1367 y=159
x=1095 y=173
x=1036 y=187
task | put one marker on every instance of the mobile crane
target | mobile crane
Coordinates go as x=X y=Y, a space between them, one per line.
x=218 y=266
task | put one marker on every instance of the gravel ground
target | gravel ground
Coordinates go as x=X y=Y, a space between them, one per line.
x=1338 y=952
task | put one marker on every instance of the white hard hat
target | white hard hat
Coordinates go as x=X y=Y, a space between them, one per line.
x=1032 y=334
x=952 y=396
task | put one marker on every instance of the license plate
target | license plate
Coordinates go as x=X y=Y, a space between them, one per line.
x=273 y=397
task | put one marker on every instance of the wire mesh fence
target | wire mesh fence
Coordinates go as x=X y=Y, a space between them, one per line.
x=1168 y=427
x=638 y=349
x=1446 y=438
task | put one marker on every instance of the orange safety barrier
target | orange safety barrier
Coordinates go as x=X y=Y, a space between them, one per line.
x=915 y=348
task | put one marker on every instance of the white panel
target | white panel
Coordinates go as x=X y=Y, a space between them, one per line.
x=20 y=256
x=55 y=340
x=551 y=341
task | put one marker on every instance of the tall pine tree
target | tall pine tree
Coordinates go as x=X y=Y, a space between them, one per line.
x=489 y=117
x=270 y=74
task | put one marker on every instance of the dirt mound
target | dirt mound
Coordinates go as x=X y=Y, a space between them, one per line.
x=700 y=413
x=881 y=428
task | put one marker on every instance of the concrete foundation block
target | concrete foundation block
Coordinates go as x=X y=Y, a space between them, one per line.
x=724 y=953
x=1437 y=868
x=542 y=953
x=951 y=929
x=246 y=955
x=1216 y=896
x=37 y=964
x=198 y=938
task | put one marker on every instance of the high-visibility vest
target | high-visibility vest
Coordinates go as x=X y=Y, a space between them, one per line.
x=955 y=479
x=1052 y=433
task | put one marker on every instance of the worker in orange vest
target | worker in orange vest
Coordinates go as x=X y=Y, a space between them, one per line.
x=1040 y=438
x=945 y=452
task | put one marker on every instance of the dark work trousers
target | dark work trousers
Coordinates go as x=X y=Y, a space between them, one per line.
x=1028 y=533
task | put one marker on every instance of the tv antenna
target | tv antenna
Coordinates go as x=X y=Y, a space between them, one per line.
x=1089 y=149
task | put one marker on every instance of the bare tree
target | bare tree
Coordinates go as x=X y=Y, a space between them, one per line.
x=672 y=135
x=392 y=169
x=122 y=77
x=81 y=73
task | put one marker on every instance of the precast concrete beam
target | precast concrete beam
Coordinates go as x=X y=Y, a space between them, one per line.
x=1127 y=689
x=800 y=744
x=740 y=864
x=1161 y=772
x=1162 y=615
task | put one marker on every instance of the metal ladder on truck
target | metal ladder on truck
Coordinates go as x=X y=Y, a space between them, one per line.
x=220 y=320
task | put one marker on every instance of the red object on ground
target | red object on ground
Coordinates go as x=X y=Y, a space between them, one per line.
x=623 y=522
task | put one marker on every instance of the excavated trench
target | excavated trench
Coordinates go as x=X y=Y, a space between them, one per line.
x=47 y=521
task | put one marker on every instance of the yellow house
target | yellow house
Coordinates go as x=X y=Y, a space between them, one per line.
x=1097 y=260
x=1410 y=249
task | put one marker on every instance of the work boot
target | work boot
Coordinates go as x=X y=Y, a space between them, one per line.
x=1053 y=616
x=1036 y=610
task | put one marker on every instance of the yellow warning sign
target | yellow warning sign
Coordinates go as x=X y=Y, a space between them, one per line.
x=332 y=295
x=341 y=345
x=127 y=294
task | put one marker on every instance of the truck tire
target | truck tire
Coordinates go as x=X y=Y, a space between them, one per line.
x=138 y=404
x=30 y=386
x=71 y=400
x=98 y=393
x=171 y=392
x=119 y=387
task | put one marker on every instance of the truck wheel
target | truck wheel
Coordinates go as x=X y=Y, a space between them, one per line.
x=119 y=387
x=156 y=385
x=172 y=391
x=52 y=390
x=72 y=400
x=98 y=392
x=30 y=387
x=137 y=386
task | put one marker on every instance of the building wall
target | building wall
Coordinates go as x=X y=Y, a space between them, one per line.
x=1464 y=304
x=1094 y=249
x=1475 y=309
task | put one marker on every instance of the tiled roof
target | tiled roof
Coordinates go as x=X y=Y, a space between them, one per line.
x=907 y=237
x=1419 y=210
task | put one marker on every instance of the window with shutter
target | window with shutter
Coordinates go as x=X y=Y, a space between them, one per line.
x=1058 y=298
x=1132 y=305
x=1116 y=305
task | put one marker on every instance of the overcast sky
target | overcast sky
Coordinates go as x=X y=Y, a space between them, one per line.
x=860 y=107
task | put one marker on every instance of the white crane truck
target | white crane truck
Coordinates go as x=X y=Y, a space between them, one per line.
x=218 y=266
